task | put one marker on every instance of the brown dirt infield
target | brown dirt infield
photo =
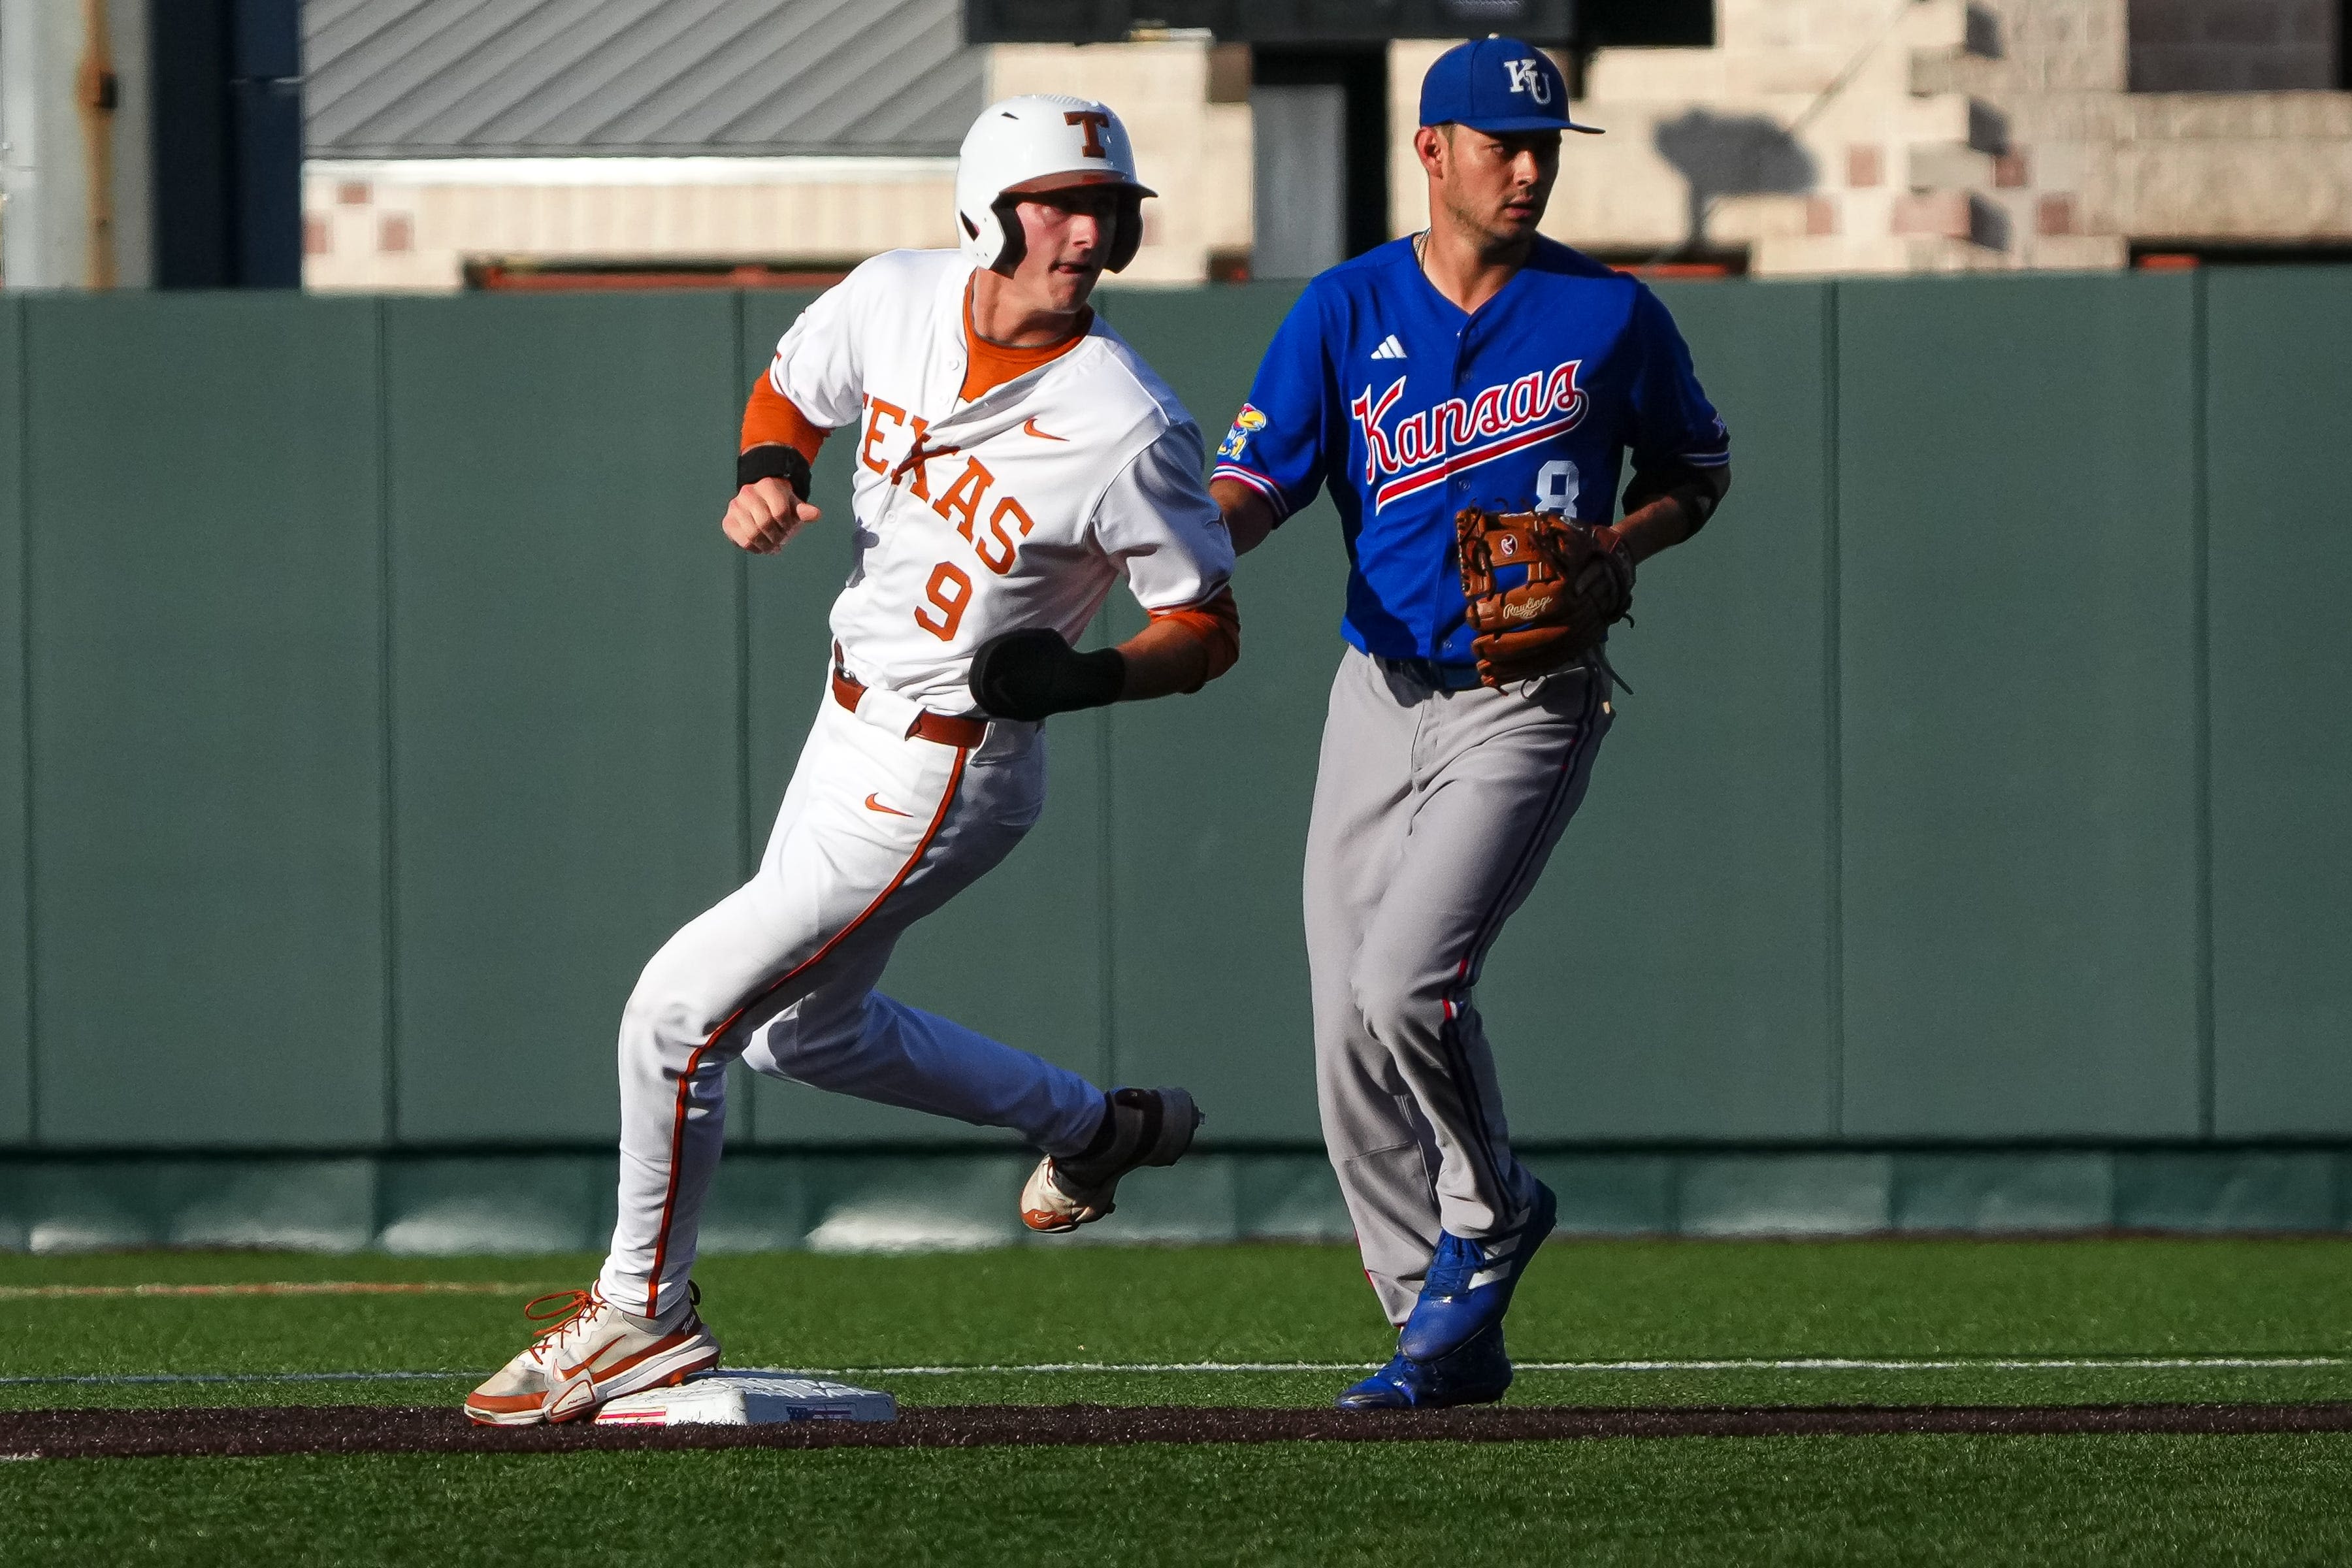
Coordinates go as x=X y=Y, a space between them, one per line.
x=419 y=1429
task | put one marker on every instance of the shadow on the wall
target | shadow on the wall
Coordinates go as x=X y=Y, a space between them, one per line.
x=1732 y=155
x=1983 y=34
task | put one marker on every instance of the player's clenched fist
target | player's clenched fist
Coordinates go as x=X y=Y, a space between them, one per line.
x=764 y=513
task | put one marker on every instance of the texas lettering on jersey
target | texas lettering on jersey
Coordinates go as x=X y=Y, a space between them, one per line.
x=1428 y=447
x=998 y=544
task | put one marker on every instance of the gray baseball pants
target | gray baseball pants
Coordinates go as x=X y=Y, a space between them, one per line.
x=1435 y=812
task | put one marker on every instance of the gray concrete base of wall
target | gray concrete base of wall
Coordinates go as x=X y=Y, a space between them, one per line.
x=881 y=1200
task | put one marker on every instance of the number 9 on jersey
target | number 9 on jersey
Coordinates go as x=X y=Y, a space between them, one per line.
x=949 y=591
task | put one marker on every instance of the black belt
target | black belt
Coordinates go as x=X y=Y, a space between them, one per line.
x=1430 y=672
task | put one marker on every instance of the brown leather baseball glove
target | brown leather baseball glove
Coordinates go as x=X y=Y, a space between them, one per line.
x=1543 y=590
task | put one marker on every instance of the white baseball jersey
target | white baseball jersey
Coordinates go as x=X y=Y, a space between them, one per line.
x=1018 y=508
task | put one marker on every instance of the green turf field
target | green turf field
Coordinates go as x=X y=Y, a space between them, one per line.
x=1632 y=1322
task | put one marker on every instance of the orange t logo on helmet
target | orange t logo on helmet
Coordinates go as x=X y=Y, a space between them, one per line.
x=1094 y=121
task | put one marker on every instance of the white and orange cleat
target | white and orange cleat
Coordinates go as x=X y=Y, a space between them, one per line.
x=1140 y=1127
x=592 y=1351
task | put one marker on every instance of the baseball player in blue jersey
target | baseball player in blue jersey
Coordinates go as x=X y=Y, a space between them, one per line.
x=1474 y=365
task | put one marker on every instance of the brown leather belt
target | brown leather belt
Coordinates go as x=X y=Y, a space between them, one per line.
x=962 y=732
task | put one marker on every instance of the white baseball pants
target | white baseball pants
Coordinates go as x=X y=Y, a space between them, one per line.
x=877 y=829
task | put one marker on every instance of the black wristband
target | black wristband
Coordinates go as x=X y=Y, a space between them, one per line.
x=1697 y=502
x=772 y=460
x=1680 y=483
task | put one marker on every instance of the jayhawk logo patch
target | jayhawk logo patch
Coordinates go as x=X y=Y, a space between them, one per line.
x=1247 y=423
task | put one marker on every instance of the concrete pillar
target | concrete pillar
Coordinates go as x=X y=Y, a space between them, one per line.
x=61 y=104
x=1299 y=179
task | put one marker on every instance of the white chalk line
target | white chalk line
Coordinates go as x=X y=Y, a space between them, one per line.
x=1044 y=1369
x=1743 y=1364
x=271 y=1288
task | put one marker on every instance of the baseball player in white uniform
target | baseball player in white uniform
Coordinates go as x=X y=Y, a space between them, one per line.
x=1014 y=459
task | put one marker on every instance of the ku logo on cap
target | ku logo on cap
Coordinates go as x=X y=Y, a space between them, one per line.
x=1528 y=77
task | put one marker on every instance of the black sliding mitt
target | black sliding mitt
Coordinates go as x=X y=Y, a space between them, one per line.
x=1035 y=672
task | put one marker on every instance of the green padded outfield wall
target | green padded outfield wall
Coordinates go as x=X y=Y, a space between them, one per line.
x=2017 y=740
x=565 y=674
x=205 y=720
x=16 y=999
x=2278 y=427
x=367 y=721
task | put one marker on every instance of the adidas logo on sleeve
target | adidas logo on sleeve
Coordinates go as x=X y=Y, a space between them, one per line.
x=1389 y=348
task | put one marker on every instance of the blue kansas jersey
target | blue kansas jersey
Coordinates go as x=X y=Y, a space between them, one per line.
x=1379 y=387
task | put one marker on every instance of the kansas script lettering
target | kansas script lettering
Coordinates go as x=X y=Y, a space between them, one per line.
x=1426 y=447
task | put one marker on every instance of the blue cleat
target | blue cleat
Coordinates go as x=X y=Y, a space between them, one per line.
x=1469 y=1285
x=1474 y=1373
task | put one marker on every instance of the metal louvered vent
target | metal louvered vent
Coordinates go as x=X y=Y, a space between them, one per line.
x=1270 y=21
x=439 y=79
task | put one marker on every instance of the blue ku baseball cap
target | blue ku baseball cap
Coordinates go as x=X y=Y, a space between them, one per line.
x=1496 y=85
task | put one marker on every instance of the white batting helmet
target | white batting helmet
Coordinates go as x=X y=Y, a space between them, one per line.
x=1025 y=146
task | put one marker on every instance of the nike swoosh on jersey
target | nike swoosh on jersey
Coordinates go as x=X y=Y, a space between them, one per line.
x=1029 y=428
x=874 y=803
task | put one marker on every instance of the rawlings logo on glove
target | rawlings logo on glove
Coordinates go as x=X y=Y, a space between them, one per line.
x=1543 y=591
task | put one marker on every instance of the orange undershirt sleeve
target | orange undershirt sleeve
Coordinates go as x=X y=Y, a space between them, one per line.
x=1216 y=622
x=771 y=419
